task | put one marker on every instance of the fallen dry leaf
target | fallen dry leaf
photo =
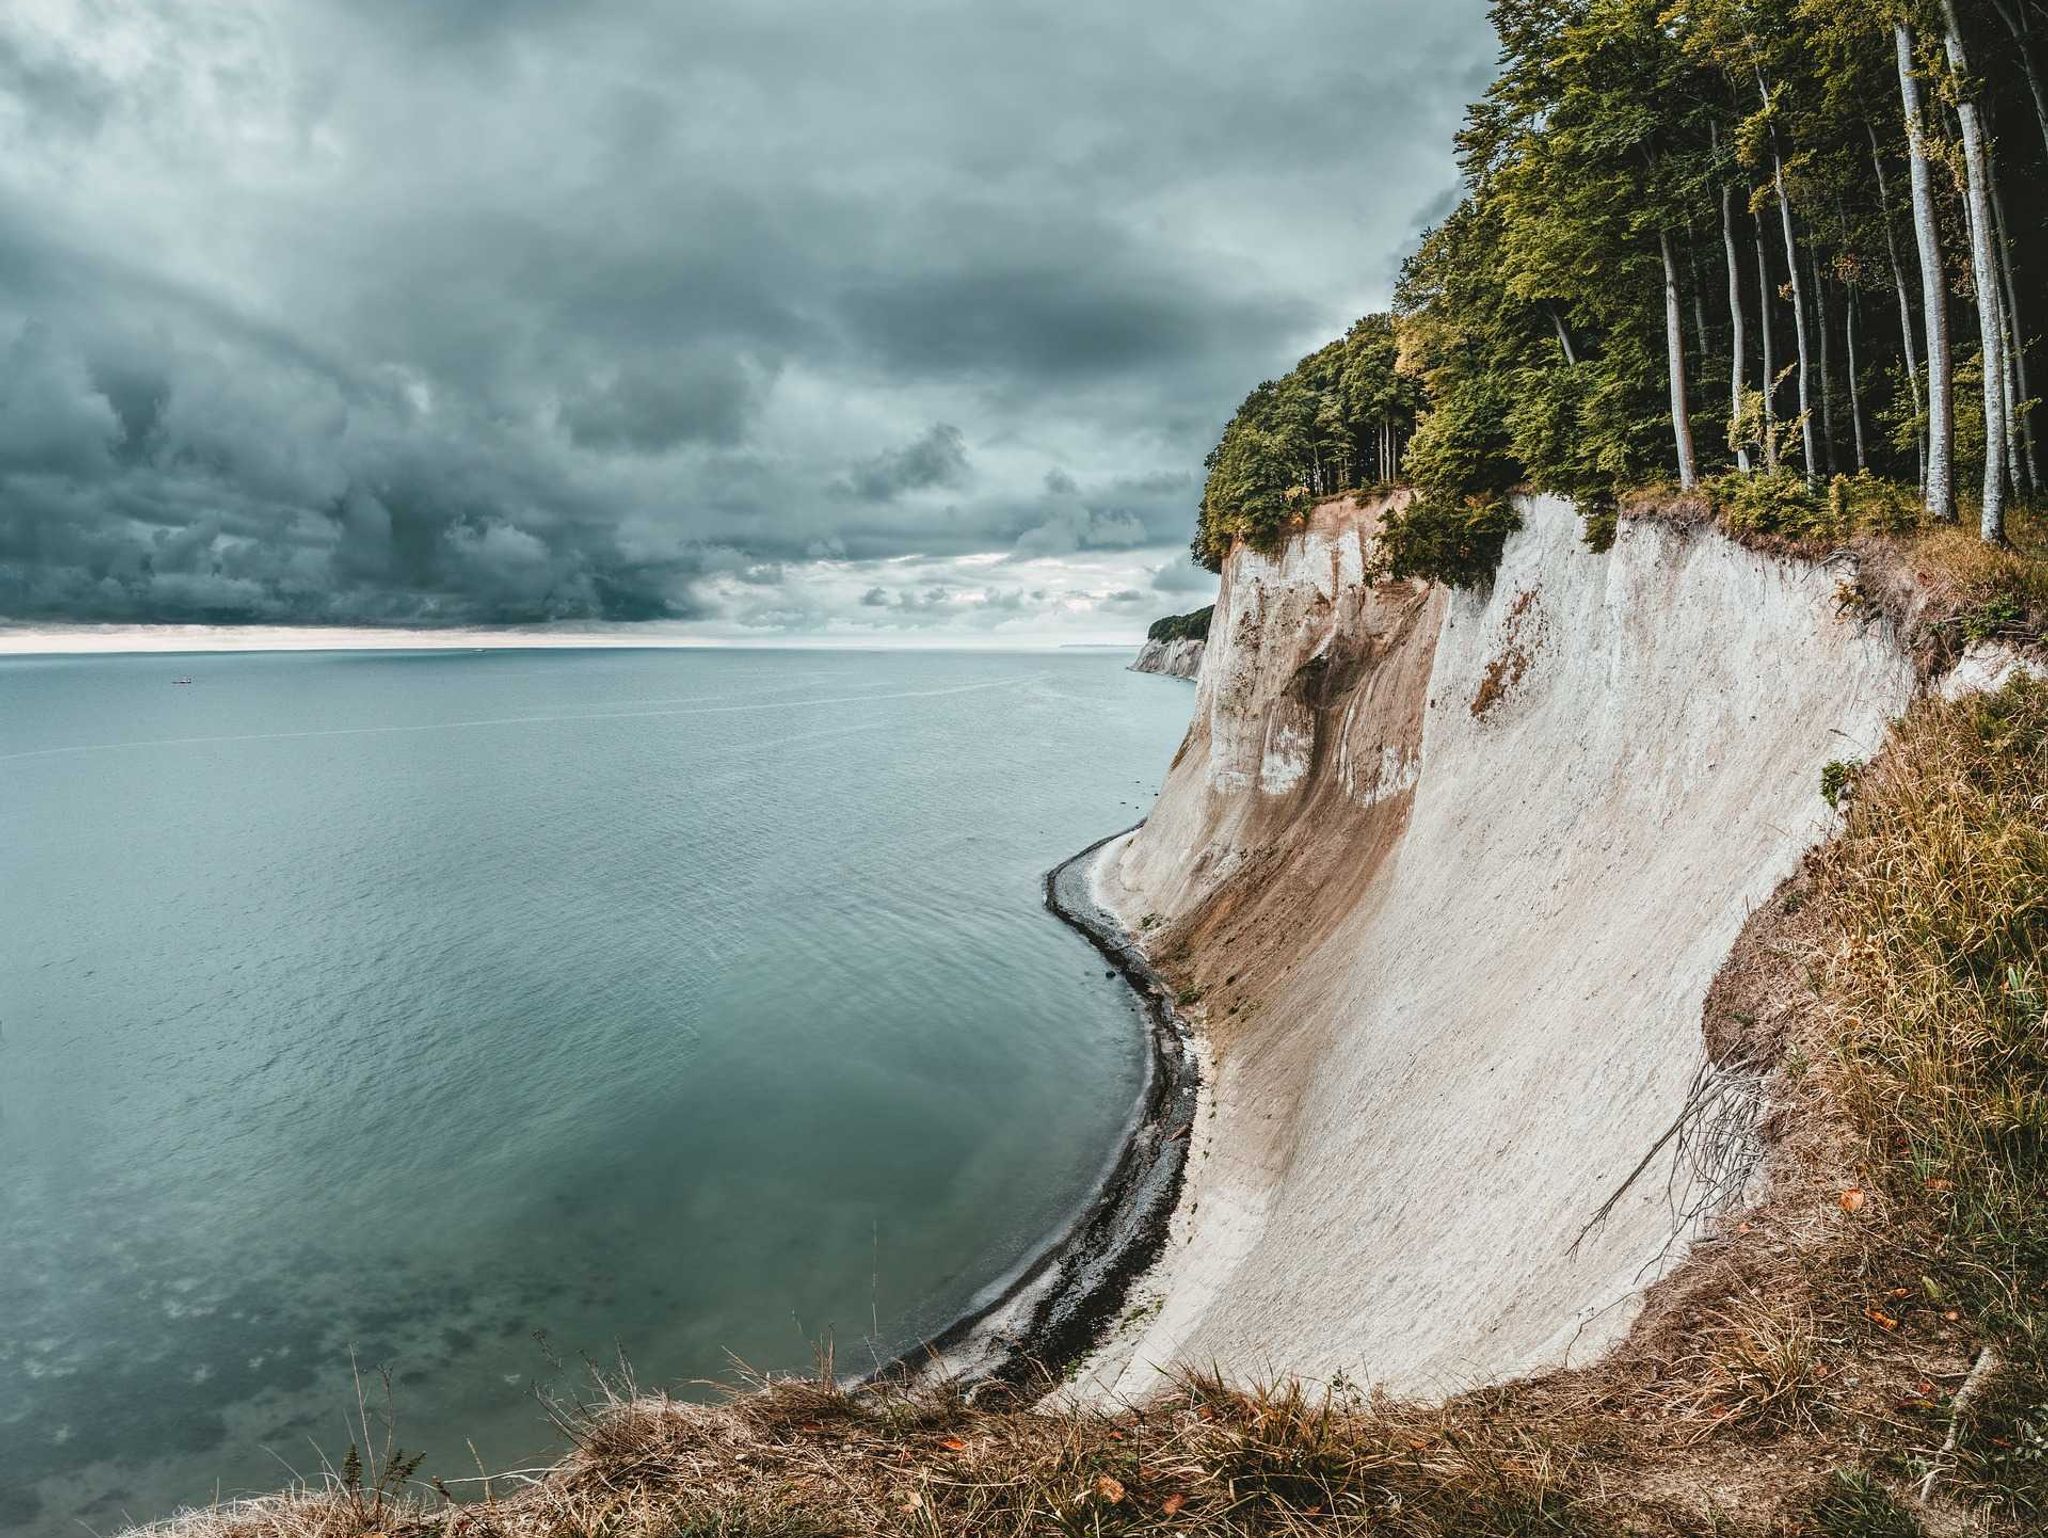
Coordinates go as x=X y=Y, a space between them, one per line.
x=1173 y=1503
x=953 y=1444
x=1940 y=1185
x=1879 y=1317
x=1109 y=1487
x=1852 y=1199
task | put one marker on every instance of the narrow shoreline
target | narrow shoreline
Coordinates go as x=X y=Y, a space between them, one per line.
x=1063 y=1303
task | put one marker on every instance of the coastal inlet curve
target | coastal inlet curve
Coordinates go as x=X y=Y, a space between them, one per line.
x=1062 y=1304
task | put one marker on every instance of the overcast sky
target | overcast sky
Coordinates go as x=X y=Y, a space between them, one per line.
x=756 y=317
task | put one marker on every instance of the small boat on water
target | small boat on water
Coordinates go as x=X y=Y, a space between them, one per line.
x=181 y=680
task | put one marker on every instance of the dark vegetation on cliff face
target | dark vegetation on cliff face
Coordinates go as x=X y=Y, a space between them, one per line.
x=1786 y=249
x=1863 y=1352
x=1182 y=627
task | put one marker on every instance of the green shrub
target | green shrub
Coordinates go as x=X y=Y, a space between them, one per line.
x=1996 y=615
x=1457 y=541
x=1782 y=505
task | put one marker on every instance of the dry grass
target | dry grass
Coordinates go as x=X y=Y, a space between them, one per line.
x=1944 y=588
x=1803 y=1373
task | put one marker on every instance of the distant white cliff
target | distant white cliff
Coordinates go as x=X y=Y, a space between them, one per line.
x=1174 y=646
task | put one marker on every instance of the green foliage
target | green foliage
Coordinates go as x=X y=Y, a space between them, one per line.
x=1781 y=504
x=1330 y=425
x=1442 y=539
x=1785 y=506
x=1994 y=616
x=1531 y=347
x=1182 y=627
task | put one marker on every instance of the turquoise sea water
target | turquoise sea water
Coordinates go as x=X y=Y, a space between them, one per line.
x=481 y=1014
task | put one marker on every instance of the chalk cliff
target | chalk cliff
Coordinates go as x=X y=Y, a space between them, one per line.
x=1174 y=646
x=1180 y=658
x=1447 y=877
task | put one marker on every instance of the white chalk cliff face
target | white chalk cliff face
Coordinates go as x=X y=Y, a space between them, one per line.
x=1180 y=658
x=1453 y=873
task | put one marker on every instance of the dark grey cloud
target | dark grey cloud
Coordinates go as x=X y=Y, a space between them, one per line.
x=936 y=459
x=529 y=310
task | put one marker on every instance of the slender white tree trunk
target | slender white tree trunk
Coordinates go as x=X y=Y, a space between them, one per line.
x=1984 y=266
x=1891 y=246
x=1827 y=373
x=2019 y=415
x=1855 y=386
x=1767 y=429
x=1941 y=446
x=1564 y=337
x=1702 y=345
x=2014 y=14
x=1738 y=348
x=1806 y=437
x=1674 y=347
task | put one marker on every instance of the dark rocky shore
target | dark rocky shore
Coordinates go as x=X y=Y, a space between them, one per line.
x=1063 y=1304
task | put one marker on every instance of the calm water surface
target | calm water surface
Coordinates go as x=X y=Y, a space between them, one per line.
x=482 y=1014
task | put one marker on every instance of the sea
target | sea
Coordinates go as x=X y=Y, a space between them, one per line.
x=440 y=1040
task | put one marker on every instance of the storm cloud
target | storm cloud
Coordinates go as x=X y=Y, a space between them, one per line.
x=754 y=315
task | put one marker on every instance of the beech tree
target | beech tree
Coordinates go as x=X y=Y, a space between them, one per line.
x=1742 y=245
x=1984 y=261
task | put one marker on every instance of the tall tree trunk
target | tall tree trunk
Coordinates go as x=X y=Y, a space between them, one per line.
x=1674 y=347
x=1853 y=304
x=1738 y=347
x=1767 y=428
x=1891 y=246
x=1827 y=373
x=1564 y=337
x=1702 y=346
x=1941 y=442
x=1798 y=316
x=2020 y=414
x=1984 y=265
x=2014 y=14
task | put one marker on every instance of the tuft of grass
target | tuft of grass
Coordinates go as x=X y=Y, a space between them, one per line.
x=1854 y=1505
x=1758 y=1363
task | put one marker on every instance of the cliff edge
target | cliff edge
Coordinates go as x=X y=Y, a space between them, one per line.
x=1448 y=875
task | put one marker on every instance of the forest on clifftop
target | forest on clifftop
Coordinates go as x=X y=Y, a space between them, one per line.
x=1785 y=253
